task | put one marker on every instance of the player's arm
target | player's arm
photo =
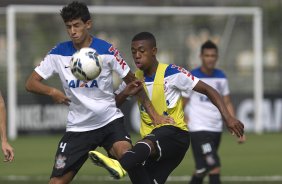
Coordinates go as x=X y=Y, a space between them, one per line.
x=145 y=101
x=34 y=84
x=6 y=148
x=228 y=103
x=131 y=89
x=185 y=101
x=233 y=125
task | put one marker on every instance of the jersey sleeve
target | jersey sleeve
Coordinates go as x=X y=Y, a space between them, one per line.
x=185 y=82
x=47 y=67
x=225 y=88
x=118 y=64
x=186 y=94
x=120 y=88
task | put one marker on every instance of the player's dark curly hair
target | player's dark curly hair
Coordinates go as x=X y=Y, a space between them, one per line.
x=208 y=45
x=75 y=10
x=145 y=36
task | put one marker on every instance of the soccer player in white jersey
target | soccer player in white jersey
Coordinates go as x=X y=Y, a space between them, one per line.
x=204 y=119
x=93 y=119
x=163 y=147
x=7 y=149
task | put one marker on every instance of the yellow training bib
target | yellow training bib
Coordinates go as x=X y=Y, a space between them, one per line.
x=159 y=103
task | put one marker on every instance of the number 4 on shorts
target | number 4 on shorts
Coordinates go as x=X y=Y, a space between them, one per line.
x=63 y=146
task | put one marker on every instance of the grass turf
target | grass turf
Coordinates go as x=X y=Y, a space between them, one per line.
x=34 y=156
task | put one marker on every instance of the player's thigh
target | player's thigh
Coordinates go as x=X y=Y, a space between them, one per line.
x=72 y=152
x=117 y=139
x=204 y=148
x=216 y=137
x=196 y=144
x=169 y=142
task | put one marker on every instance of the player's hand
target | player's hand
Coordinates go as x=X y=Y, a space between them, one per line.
x=235 y=127
x=8 y=152
x=133 y=88
x=242 y=139
x=162 y=120
x=59 y=97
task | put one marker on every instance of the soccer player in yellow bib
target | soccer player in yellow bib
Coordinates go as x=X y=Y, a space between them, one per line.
x=163 y=146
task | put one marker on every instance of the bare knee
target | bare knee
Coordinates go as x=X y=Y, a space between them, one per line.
x=215 y=170
x=65 y=179
x=119 y=148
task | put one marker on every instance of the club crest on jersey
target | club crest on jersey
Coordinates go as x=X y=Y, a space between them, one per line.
x=60 y=162
x=82 y=84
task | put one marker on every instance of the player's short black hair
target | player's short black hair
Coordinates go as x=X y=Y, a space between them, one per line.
x=208 y=45
x=75 y=10
x=145 y=36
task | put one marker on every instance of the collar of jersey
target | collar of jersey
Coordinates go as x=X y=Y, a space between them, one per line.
x=150 y=78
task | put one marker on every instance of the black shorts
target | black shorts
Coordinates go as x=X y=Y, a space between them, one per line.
x=172 y=143
x=73 y=148
x=205 y=146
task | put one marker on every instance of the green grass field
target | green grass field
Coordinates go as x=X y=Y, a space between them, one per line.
x=259 y=160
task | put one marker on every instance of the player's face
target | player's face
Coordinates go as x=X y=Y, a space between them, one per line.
x=78 y=30
x=209 y=58
x=143 y=53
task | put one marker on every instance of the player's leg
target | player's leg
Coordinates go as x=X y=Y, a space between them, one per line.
x=200 y=164
x=117 y=140
x=155 y=147
x=117 y=144
x=132 y=162
x=214 y=174
x=172 y=145
x=205 y=156
x=71 y=154
x=138 y=154
x=66 y=178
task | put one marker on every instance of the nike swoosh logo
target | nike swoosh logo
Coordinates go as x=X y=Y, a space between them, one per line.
x=67 y=66
x=127 y=137
x=199 y=171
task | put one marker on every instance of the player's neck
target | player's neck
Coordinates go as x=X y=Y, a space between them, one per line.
x=207 y=71
x=86 y=43
x=152 y=69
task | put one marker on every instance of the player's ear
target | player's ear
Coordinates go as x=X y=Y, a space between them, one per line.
x=155 y=50
x=88 y=24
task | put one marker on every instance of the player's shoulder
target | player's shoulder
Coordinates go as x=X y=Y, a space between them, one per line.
x=102 y=46
x=172 y=69
x=218 y=73
x=64 y=49
x=175 y=70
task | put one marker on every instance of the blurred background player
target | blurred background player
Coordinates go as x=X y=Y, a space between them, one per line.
x=163 y=147
x=93 y=118
x=7 y=149
x=204 y=119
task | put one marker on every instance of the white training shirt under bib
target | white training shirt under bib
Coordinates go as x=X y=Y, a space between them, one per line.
x=92 y=103
x=202 y=114
x=176 y=81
